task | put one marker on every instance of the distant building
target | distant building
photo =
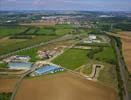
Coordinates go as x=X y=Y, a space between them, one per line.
x=92 y=37
x=19 y=65
x=17 y=58
x=97 y=41
x=23 y=58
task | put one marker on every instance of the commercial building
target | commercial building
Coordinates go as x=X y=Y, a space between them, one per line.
x=20 y=65
x=48 y=69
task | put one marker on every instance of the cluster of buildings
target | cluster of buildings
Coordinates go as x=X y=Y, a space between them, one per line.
x=53 y=20
x=92 y=39
x=20 y=65
x=17 y=62
x=83 y=47
x=59 y=20
x=17 y=58
x=46 y=54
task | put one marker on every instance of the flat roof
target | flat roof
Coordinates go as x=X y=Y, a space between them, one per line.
x=45 y=69
x=19 y=65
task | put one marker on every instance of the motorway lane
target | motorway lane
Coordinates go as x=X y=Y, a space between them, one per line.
x=122 y=70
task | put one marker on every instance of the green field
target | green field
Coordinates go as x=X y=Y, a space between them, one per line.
x=107 y=55
x=87 y=70
x=3 y=65
x=46 y=31
x=72 y=58
x=64 y=26
x=11 y=30
x=31 y=31
x=21 y=36
x=63 y=31
x=31 y=52
x=108 y=75
x=10 y=45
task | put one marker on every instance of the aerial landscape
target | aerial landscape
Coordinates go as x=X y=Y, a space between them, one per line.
x=65 y=50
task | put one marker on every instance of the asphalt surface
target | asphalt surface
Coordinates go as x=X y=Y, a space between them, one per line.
x=122 y=71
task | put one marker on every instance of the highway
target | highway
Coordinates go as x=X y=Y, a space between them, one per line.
x=122 y=70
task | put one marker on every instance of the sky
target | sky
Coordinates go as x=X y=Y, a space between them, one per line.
x=85 y=5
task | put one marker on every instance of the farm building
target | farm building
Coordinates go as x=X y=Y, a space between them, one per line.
x=19 y=65
x=23 y=58
x=48 y=69
x=92 y=37
x=18 y=58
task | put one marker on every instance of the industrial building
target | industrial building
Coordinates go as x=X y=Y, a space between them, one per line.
x=48 y=69
x=20 y=65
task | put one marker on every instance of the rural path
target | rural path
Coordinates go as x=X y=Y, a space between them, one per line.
x=20 y=80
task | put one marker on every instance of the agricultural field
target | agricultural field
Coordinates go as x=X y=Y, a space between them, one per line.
x=72 y=59
x=9 y=45
x=46 y=31
x=31 y=31
x=107 y=55
x=3 y=65
x=11 y=30
x=7 y=84
x=28 y=36
x=64 y=86
x=31 y=52
x=63 y=31
x=87 y=70
x=126 y=48
x=107 y=75
x=64 y=26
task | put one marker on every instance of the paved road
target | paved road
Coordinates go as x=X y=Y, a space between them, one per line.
x=18 y=83
x=65 y=37
x=122 y=70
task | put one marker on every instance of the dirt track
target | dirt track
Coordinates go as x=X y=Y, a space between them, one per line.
x=126 y=41
x=64 y=86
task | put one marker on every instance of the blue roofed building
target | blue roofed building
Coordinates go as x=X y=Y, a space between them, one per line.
x=48 y=69
x=20 y=65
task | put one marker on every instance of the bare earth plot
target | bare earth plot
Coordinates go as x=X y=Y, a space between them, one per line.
x=7 y=85
x=64 y=86
x=126 y=41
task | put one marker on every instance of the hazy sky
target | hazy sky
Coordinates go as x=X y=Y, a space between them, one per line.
x=99 y=5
